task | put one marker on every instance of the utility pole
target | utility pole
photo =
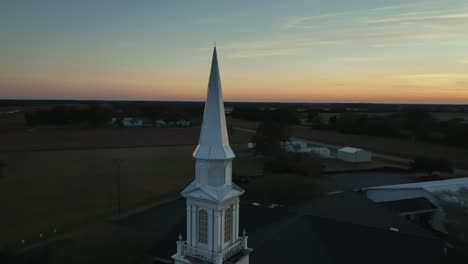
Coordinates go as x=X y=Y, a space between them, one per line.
x=119 y=162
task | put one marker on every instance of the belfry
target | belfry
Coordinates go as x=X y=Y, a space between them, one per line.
x=212 y=198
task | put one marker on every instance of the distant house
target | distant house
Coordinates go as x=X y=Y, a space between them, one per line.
x=127 y=122
x=182 y=123
x=297 y=146
x=321 y=151
x=350 y=154
x=251 y=145
x=132 y=122
x=228 y=110
x=160 y=123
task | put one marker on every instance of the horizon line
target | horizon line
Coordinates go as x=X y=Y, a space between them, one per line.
x=233 y=101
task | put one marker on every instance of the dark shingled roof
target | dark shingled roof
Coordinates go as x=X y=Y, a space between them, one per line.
x=355 y=208
x=340 y=228
x=409 y=205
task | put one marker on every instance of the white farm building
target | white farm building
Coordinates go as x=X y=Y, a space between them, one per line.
x=354 y=155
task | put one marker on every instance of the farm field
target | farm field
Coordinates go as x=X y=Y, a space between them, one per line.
x=56 y=179
x=45 y=138
x=53 y=189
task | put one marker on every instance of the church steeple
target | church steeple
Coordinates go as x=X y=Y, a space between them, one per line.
x=214 y=142
x=212 y=198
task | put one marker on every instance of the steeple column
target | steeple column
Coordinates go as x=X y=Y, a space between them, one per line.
x=235 y=224
x=194 y=226
x=189 y=223
x=211 y=219
x=217 y=231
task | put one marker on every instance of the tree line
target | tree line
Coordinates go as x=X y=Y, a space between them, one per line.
x=97 y=114
x=412 y=123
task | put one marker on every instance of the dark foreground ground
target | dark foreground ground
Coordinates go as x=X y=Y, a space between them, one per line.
x=341 y=228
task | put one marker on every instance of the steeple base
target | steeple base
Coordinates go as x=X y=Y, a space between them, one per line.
x=239 y=253
x=243 y=257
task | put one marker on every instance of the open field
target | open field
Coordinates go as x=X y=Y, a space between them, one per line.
x=50 y=189
x=57 y=178
x=44 y=138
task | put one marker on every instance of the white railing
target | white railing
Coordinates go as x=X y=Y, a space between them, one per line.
x=210 y=256
x=232 y=250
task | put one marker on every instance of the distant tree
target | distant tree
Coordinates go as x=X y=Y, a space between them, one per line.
x=318 y=122
x=29 y=119
x=419 y=121
x=332 y=122
x=312 y=114
x=284 y=116
x=354 y=123
x=98 y=115
x=230 y=129
x=269 y=135
x=431 y=165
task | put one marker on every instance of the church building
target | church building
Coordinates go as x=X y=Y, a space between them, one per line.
x=212 y=199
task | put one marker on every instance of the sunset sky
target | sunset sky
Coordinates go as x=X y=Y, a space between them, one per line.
x=276 y=50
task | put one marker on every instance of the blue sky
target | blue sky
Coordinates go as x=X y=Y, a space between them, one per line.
x=376 y=51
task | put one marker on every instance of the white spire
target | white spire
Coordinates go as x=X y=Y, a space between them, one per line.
x=214 y=142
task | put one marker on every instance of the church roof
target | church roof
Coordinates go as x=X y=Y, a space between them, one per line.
x=213 y=194
x=214 y=142
x=314 y=232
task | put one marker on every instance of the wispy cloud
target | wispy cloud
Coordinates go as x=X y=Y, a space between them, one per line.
x=360 y=59
x=419 y=17
x=380 y=27
x=284 y=46
x=382 y=24
x=308 y=22
x=446 y=81
x=261 y=53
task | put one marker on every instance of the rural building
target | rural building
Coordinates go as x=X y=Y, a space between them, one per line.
x=182 y=123
x=127 y=122
x=416 y=201
x=251 y=145
x=160 y=123
x=228 y=110
x=350 y=154
x=321 y=151
x=297 y=146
